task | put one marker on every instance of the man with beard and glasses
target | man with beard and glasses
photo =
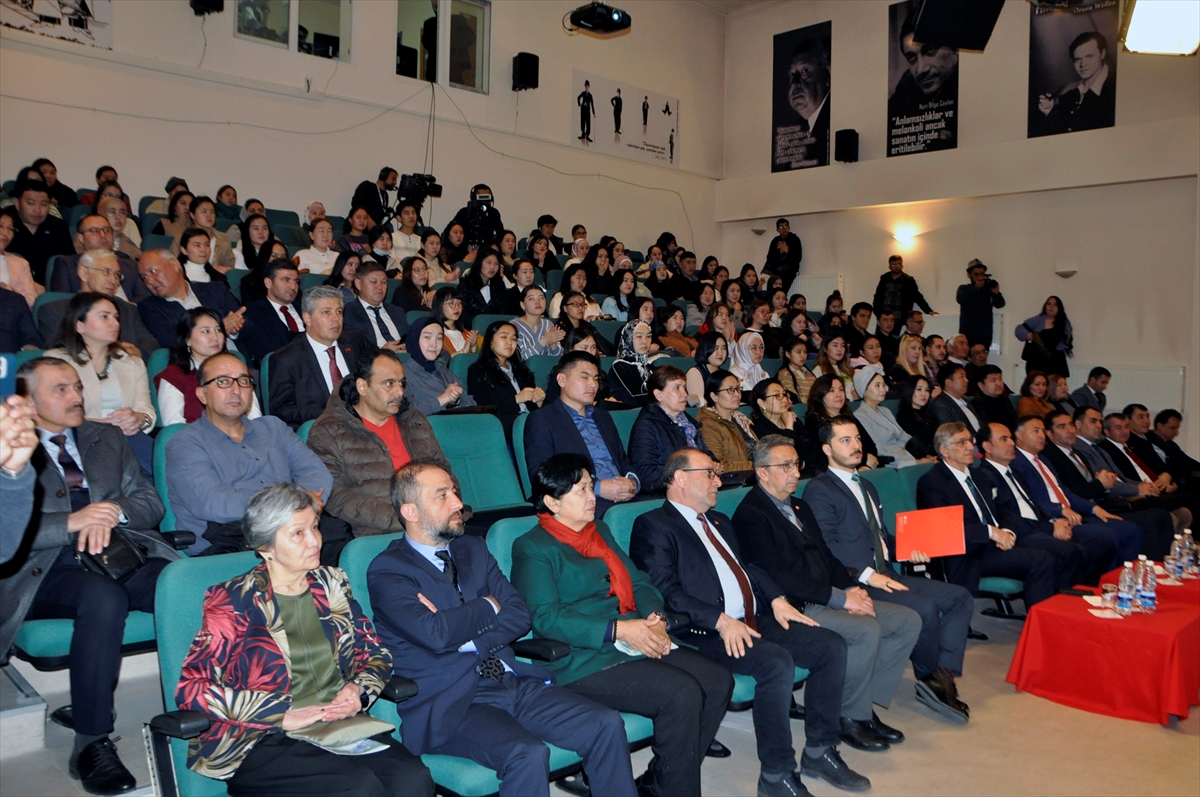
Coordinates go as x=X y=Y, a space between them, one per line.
x=448 y=615
x=930 y=84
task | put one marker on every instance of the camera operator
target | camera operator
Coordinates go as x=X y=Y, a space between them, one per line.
x=480 y=219
x=976 y=300
x=373 y=197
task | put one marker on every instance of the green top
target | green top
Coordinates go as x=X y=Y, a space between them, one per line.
x=569 y=602
x=314 y=671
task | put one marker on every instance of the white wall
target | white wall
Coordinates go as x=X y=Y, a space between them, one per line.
x=155 y=70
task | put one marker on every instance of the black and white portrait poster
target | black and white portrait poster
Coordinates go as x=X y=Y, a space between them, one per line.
x=1072 y=66
x=82 y=21
x=922 y=89
x=620 y=119
x=800 y=98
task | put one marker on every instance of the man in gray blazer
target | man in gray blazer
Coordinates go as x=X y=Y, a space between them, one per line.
x=1091 y=394
x=89 y=483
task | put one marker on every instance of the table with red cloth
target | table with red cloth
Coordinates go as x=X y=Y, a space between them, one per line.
x=1143 y=667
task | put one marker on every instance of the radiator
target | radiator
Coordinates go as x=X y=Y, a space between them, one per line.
x=1156 y=386
x=816 y=288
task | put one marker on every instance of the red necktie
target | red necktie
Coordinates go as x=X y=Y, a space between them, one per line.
x=1062 y=499
x=335 y=375
x=1151 y=472
x=738 y=573
x=289 y=318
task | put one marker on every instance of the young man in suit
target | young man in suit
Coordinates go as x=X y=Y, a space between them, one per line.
x=951 y=405
x=1091 y=394
x=1166 y=429
x=383 y=325
x=276 y=319
x=737 y=615
x=850 y=514
x=39 y=236
x=448 y=615
x=573 y=424
x=303 y=374
x=171 y=293
x=990 y=548
x=777 y=532
x=90 y=482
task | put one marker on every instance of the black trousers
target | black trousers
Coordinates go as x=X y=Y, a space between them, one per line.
x=98 y=605
x=685 y=694
x=280 y=766
x=1034 y=567
x=771 y=663
x=1158 y=527
x=945 y=610
x=1069 y=566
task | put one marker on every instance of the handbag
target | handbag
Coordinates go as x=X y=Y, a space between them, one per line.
x=119 y=560
x=342 y=732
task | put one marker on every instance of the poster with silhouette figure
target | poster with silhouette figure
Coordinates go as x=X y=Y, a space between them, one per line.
x=800 y=98
x=620 y=119
x=922 y=88
x=82 y=21
x=1072 y=66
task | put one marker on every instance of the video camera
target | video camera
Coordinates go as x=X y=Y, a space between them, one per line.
x=416 y=188
x=478 y=232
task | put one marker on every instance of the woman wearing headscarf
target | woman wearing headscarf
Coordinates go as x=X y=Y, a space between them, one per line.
x=747 y=359
x=432 y=387
x=629 y=373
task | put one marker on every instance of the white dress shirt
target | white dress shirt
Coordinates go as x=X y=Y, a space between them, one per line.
x=387 y=322
x=1125 y=451
x=296 y=316
x=321 y=350
x=735 y=607
x=1027 y=510
x=962 y=476
x=404 y=245
x=847 y=478
x=1048 y=478
x=962 y=405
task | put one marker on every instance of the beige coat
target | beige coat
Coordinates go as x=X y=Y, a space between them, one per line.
x=130 y=373
x=20 y=278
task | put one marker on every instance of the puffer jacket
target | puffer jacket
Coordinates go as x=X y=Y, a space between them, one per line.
x=362 y=467
x=724 y=440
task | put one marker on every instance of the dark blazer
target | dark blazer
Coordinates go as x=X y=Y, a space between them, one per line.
x=798 y=560
x=269 y=332
x=947 y=411
x=425 y=645
x=132 y=329
x=655 y=437
x=1084 y=397
x=551 y=431
x=66 y=276
x=52 y=237
x=665 y=547
x=975 y=309
x=162 y=315
x=995 y=410
x=784 y=264
x=1008 y=511
x=1068 y=474
x=366 y=196
x=1178 y=462
x=17 y=329
x=939 y=487
x=910 y=294
x=1120 y=459
x=356 y=317
x=474 y=304
x=1040 y=493
x=491 y=387
x=1144 y=450
x=843 y=524
x=296 y=380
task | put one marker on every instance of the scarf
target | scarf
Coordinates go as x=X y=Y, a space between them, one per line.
x=414 y=343
x=590 y=544
x=625 y=349
x=684 y=422
x=745 y=369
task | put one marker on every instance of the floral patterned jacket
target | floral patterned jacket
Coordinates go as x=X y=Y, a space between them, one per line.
x=238 y=670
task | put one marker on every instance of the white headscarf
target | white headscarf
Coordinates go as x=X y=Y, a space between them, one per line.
x=745 y=369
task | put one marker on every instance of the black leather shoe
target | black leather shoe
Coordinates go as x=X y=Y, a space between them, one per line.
x=65 y=716
x=574 y=784
x=718 y=750
x=787 y=786
x=861 y=735
x=831 y=768
x=934 y=694
x=892 y=735
x=100 y=771
x=796 y=712
x=978 y=635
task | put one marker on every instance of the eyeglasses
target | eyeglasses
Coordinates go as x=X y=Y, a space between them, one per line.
x=963 y=443
x=712 y=473
x=108 y=272
x=770 y=396
x=94 y=230
x=734 y=389
x=575 y=304
x=226 y=382
x=791 y=464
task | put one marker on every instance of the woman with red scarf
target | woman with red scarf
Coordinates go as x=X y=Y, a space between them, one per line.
x=584 y=591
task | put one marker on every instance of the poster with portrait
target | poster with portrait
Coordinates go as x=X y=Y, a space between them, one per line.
x=922 y=88
x=1072 y=66
x=82 y=21
x=621 y=119
x=800 y=98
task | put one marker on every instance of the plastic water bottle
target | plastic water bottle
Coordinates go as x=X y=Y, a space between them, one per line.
x=1126 y=590
x=1147 y=587
x=1176 y=561
x=1189 y=549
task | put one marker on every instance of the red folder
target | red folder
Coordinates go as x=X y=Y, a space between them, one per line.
x=935 y=532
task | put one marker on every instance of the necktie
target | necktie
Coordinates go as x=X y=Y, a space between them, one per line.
x=985 y=514
x=1150 y=472
x=1083 y=469
x=1020 y=491
x=738 y=573
x=335 y=375
x=1050 y=480
x=288 y=318
x=876 y=531
x=491 y=667
x=383 y=330
x=72 y=473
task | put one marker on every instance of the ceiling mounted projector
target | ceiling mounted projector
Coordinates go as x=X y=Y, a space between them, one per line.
x=600 y=18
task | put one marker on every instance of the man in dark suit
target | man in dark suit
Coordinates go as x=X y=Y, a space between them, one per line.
x=1148 y=452
x=172 y=293
x=89 y=483
x=304 y=373
x=852 y=522
x=448 y=615
x=574 y=425
x=1077 y=557
x=975 y=302
x=39 y=236
x=784 y=253
x=275 y=319
x=1144 y=467
x=17 y=329
x=383 y=325
x=951 y=405
x=990 y=548
x=1166 y=429
x=1091 y=394
x=992 y=403
x=373 y=196
x=737 y=615
x=777 y=532
x=94 y=232
x=97 y=271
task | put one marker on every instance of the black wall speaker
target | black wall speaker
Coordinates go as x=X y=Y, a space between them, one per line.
x=202 y=7
x=525 y=71
x=961 y=24
x=845 y=146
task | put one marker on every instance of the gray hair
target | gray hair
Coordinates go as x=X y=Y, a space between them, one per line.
x=406 y=487
x=944 y=433
x=270 y=510
x=764 y=446
x=89 y=258
x=314 y=295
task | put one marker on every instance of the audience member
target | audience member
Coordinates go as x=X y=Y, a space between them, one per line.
x=1059 y=394
x=770 y=412
x=537 y=335
x=545 y=227
x=935 y=356
x=832 y=359
x=720 y=320
x=746 y=360
x=39 y=236
x=758 y=320
x=95 y=233
x=1034 y=395
x=827 y=400
x=629 y=374
x=784 y=253
x=1121 y=445
x=1139 y=442
x=710 y=356
x=992 y=404
x=383 y=325
x=1048 y=339
x=483 y=287
x=414 y=294
x=726 y=433
x=697 y=311
x=195 y=254
x=355 y=238
x=662 y=426
x=975 y=302
x=541 y=254
x=176 y=218
x=447 y=309
x=672 y=337
x=320 y=257
x=1091 y=394
x=341 y=276
x=171 y=294
x=104 y=174
x=890 y=439
x=62 y=195
x=173 y=187
x=794 y=375
x=915 y=418
x=18 y=442
x=277 y=318
x=523 y=275
x=14 y=269
x=571 y=318
x=17 y=330
x=199 y=336
x=914 y=323
x=256 y=242
x=898 y=291
x=731 y=297
x=909 y=359
x=99 y=272
x=950 y=406
x=302 y=235
x=957 y=349
x=859 y=328
x=432 y=386
x=574 y=280
x=1166 y=429
x=91 y=494
x=373 y=196
x=217 y=464
x=202 y=213
x=501 y=379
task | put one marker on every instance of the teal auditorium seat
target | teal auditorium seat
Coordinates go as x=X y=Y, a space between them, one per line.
x=144 y=203
x=152 y=241
x=304 y=429
x=160 y=472
x=264 y=383
x=481 y=322
x=235 y=275
x=459 y=364
x=310 y=281
x=624 y=420
x=412 y=315
x=46 y=644
x=478 y=454
x=25 y=355
x=519 y=454
x=47 y=298
x=609 y=329
x=288 y=218
x=542 y=365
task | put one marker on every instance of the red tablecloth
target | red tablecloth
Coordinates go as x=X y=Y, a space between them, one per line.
x=1142 y=667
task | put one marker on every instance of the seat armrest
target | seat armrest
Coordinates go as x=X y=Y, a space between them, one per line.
x=541 y=649
x=179 y=540
x=398 y=689
x=180 y=724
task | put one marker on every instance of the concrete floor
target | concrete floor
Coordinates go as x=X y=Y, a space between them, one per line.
x=1015 y=744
